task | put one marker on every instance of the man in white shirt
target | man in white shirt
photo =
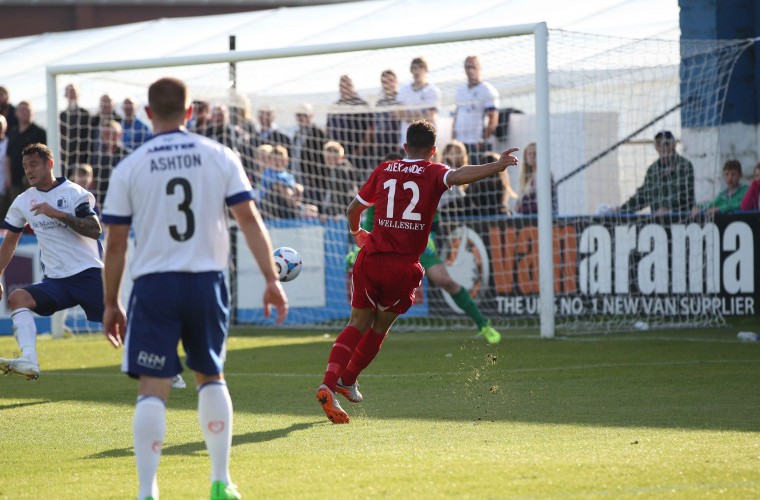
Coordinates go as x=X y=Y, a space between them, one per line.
x=174 y=191
x=420 y=98
x=67 y=229
x=477 y=111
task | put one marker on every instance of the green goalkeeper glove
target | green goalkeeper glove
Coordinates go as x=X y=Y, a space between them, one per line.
x=351 y=258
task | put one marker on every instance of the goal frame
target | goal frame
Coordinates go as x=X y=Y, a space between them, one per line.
x=543 y=178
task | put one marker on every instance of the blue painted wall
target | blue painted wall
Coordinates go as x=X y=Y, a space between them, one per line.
x=727 y=20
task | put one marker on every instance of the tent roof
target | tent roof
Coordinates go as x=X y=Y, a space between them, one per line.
x=25 y=58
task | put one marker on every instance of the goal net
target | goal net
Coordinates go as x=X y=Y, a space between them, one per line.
x=310 y=127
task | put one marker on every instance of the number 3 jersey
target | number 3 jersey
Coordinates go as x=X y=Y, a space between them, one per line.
x=405 y=194
x=174 y=189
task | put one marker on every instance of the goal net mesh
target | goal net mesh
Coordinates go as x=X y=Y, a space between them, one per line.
x=307 y=150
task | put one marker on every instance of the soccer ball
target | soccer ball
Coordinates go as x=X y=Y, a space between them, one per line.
x=288 y=263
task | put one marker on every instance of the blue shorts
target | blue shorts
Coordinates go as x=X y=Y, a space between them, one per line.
x=83 y=289
x=166 y=308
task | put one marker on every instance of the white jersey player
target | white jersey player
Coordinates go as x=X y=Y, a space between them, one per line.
x=174 y=190
x=67 y=229
x=420 y=97
x=171 y=189
x=477 y=111
x=63 y=252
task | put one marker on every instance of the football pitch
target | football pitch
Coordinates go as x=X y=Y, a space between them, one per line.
x=671 y=414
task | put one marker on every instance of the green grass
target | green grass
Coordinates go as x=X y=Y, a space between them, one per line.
x=652 y=414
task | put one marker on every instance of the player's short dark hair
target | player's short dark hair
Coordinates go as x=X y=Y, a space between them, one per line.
x=419 y=61
x=389 y=72
x=420 y=135
x=392 y=156
x=39 y=149
x=734 y=165
x=167 y=97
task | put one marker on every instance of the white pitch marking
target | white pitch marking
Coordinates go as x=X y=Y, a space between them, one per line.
x=444 y=374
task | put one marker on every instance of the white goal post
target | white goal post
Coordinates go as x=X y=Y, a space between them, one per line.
x=538 y=30
x=537 y=247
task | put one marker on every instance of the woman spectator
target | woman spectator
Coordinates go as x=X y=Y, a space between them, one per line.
x=527 y=202
x=452 y=202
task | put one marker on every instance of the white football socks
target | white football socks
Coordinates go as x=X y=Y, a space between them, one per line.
x=149 y=430
x=25 y=332
x=215 y=417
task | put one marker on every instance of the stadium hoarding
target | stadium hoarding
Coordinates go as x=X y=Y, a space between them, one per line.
x=635 y=268
x=639 y=266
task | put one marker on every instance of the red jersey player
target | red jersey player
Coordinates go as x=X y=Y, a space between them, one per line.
x=387 y=271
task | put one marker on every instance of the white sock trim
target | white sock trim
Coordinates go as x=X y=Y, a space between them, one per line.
x=215 y=418
x=25 y=332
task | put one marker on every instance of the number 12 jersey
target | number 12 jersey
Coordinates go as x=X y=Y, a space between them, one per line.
x=405 y=194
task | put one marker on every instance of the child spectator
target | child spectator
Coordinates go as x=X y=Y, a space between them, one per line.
x=281 y=194
x=341 y=182
x=82 y=175
x=730 y=199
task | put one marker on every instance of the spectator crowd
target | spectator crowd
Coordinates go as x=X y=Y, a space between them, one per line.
x=316 y=171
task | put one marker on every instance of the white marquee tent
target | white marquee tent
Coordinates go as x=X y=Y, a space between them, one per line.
x=24 y=59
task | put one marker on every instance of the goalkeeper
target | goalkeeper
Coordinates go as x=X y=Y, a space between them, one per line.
x=436 y=272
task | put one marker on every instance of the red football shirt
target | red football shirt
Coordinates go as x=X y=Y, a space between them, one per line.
x=405 y=194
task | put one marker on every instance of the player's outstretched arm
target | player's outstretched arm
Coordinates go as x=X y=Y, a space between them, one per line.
x=7 y=249
x=256 y=235
x=114 y=260
x=473 y=173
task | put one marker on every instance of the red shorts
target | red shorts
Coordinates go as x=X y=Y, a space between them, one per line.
x=384 y=281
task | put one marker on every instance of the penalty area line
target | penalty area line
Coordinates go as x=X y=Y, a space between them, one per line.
x=592 y=366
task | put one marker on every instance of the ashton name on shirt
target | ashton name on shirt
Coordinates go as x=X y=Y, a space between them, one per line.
x=176 y=162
